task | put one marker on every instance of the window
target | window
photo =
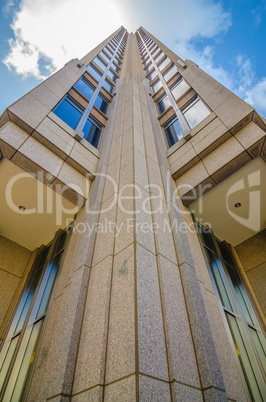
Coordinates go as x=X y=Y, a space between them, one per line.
x=116 y=68
x=104 y=56
x=179 y=88
x=94 y=72
x=118 y=61
x=152 y=75
x=108 y=52
x=247 y=338
x=163 y=104
x=170 y=73
x=101 y=104
x=108 y=86
x=100 y=63
x=112 y=75
x=84 y=87
x=147 y=69
x=19 y=349
x=156 y=86
x=92 y=132
x=195 y=112
x=146 y=62
x=154 y=50
x=163 y=64
x=69 y=111
x=173 y=131
x=159 y=57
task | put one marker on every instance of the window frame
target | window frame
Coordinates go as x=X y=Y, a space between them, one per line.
x=237 y=311
x=24 y=335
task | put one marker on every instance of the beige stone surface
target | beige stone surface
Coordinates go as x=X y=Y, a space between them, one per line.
x=140 y=169
x=232 y=111
x=121 y=336
x=249 y=135
x=12 y=135
x=8 y=287
x=91 y=361
x=82 y=159
x=252 y=255
x=60 y=144
x=41 y=156
x=151 y=336
x=151 y=389
x=93 y=395
x=222 y=155
x=121 y=391
x=45 y=96
x=194 y=176
x=74 y=180
x=181 y=356
x=23 y=110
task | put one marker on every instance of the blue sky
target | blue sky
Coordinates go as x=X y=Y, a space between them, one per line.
x=225 y=38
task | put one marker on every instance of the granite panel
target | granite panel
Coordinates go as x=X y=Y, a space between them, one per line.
x=163 y=233
x=66 y=333
x=181 y=392
x=144 y=223
x=257 y=278
x=92 y=395
x=90 y=363
x=13 y=257
x=105 y=230
x=23 y=110
x=208 y=363
x=152 y=349
x=181 y=355
x=153 y=390
x=8 y=286
x=121 y=391
x=121 y=338
x=140 y=169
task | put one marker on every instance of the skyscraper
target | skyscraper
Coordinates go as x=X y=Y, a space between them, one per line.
x=132 y=233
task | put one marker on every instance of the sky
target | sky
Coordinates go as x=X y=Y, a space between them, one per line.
x=226 y=38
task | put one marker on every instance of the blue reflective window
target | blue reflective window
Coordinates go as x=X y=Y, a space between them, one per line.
x=112 y=75
x=118 y=62
x=101 y=104
x=195 y=112
x=147 y=69
x=152 y=75
x=100 y=63
x=84 y=87
x=116 y=68
x=180 y=88
x=69 y=111
x=156 y=86
x=94 y=72
x=163 y=104
x=146 y=62
x=92 y=132
x=104 y=56
x=173 y=131
x=108 y=86
x=108 y=52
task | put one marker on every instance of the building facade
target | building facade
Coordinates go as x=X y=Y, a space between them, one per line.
x=132 y=239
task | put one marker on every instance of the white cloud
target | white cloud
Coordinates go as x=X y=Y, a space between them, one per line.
x=63 y=29
x=256 y=96
x=7 y=7
x=59 y=30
